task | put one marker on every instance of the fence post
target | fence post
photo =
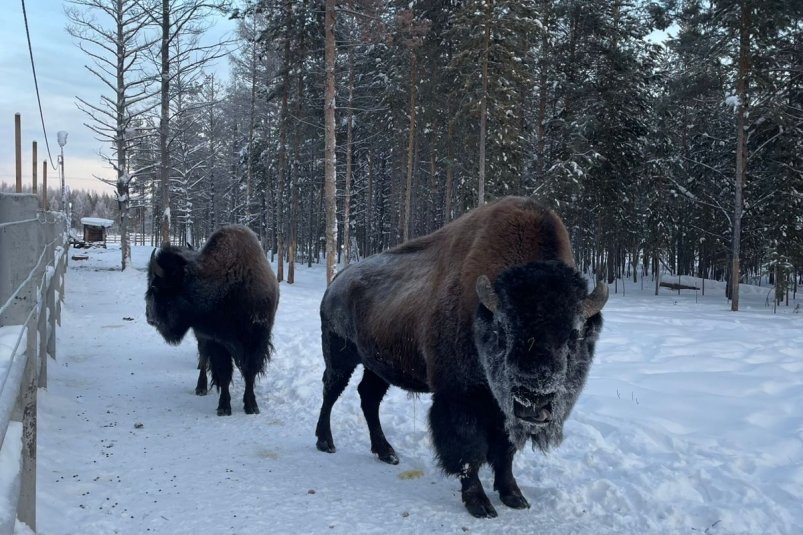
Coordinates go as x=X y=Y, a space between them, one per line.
x=18 y=150
x=44 y=185
x=26 y=506
x=34 y=168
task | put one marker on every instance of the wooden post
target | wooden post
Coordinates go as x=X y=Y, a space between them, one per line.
x=18 y=150
x=44 y=185
x=34 y=168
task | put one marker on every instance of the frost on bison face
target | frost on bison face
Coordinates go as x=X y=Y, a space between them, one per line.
x=536 y=352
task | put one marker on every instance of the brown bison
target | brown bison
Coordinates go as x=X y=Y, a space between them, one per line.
x=489 y=314
x=227 y=294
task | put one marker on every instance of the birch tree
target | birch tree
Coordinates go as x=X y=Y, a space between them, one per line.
x=111 y=34
x=330 y=162
x=174 y=19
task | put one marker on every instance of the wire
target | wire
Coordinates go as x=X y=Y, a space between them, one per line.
x=36 y=84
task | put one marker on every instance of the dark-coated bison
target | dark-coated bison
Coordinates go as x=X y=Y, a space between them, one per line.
x=227 y=294
x=489 y=314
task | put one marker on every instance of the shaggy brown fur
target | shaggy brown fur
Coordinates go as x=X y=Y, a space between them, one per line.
x=227 y=294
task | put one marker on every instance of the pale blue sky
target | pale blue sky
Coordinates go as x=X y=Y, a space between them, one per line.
x=62 y=77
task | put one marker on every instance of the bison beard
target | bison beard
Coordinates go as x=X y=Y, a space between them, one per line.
x=227 y=294
x=490 y=315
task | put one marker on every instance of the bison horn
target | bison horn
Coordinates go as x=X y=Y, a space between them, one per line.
x=157 y=269
x=594 y=302
x=486 y=293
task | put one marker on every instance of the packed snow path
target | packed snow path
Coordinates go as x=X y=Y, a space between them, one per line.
x=691 y=422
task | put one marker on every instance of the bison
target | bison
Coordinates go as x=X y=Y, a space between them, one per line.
x=491 y=316
x=227 y=294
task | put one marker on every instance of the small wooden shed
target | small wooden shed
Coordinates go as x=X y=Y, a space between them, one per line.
x=95 y=230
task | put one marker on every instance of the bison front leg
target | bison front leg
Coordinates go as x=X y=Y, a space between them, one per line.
x=500 y=456
x=460 y=438
x=372 y=389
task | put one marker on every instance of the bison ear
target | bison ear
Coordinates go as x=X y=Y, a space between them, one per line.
x=486 y=293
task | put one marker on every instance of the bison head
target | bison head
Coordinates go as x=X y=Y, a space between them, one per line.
x=167 y=305
x=535 y=330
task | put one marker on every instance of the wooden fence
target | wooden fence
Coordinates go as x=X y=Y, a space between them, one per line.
x=33 y=262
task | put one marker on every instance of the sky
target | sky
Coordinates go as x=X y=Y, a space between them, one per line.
x=690 y=423
x=62 y=77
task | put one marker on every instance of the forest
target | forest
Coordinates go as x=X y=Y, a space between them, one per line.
x=666 y=134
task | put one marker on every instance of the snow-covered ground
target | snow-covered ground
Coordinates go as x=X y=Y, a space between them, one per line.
x=691 y=422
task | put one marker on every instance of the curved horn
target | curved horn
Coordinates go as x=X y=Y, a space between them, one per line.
x=594 y=302
x=154 y=265
x=485 y=292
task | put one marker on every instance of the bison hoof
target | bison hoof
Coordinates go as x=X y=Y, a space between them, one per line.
x=201 y=391
x=389 y=457
x=224 y=411
x=326 y=445
x=481 y=508
x=252 y=410
x=515 y=501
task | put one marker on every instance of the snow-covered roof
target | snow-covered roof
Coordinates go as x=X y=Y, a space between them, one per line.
x=97 y=222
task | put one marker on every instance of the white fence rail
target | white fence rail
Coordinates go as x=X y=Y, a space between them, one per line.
x=33 y=261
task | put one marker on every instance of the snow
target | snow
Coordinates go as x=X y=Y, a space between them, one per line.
x=96 y=222
x=691 y=421
x=10 y=466
x=732 y=101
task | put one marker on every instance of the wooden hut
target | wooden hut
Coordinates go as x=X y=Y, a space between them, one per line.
x=95 y=230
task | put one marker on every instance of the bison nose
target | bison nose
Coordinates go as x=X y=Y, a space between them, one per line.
x=531 y=407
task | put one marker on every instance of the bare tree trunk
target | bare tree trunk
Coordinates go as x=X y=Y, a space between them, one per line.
x=540 y=132
x=123 y=199
x=430 y=219
x=164 y=122
x=404 y=222
x=347 y=186
x=484 y=101
x=282 y=171
x=369 y=208
x=294 y=208
x=251 y=123
x=741 y=148
x=330 y=187
x=449 y=194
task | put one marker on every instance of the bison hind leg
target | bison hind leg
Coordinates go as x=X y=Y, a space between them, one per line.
x=249 y=398
x=202 y=387
x=220 y=363
x=372 y=389
x=341 y=358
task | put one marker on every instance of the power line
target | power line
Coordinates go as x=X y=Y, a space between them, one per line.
x=36 y=85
